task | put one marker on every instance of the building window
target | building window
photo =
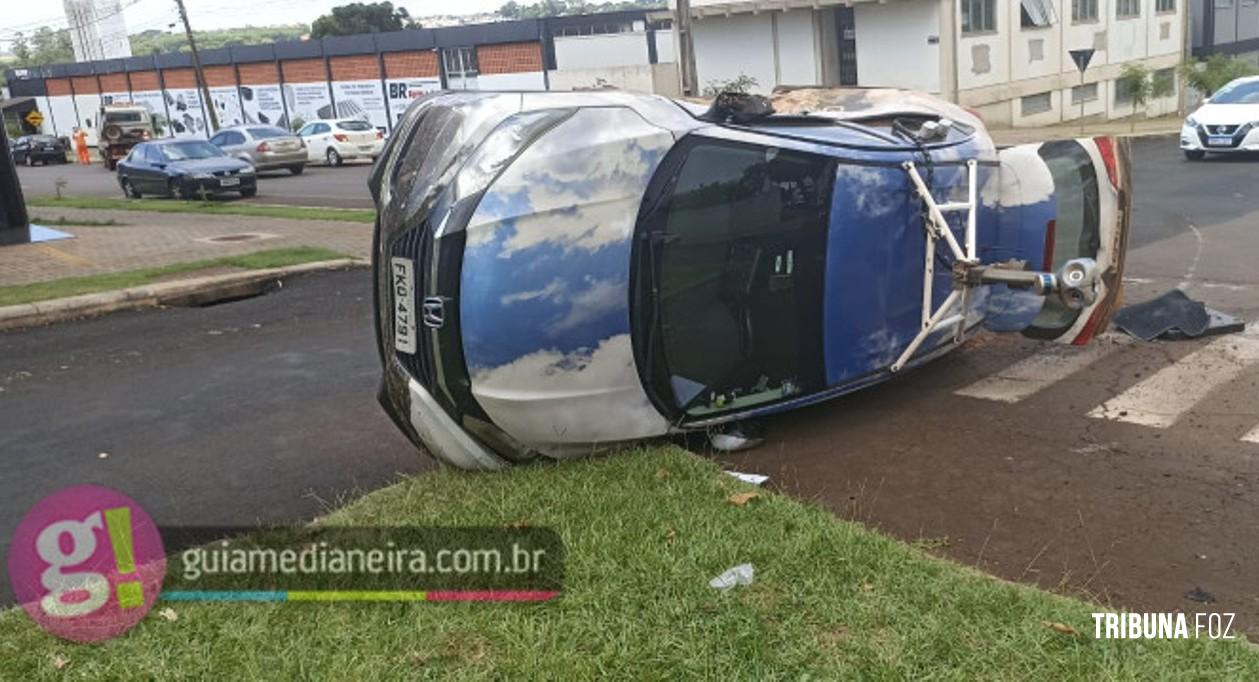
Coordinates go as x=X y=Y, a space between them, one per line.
x=1083 y=11
x=1122 y=96
x=1127 y=9
x=1037 y=13
x=596 y=29
x=1037 y=104
x=1084 y=93
x=979 y=16
x=1165 y=80
x=1164 y=5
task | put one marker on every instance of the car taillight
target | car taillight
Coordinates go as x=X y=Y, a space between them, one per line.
x=341 y=138
x=264 y=147
x=380 y=135
x=1106 y=147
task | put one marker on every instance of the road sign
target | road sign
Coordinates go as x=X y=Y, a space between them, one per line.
x=35 y=118
x=1082 y=58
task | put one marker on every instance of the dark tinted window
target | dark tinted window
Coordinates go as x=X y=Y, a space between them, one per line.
x=354 y=126
x=123 y=117
x=182 y=151
x=739 y=276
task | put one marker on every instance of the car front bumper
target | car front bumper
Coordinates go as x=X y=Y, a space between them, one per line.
x=190 y=185
x=1244 y=138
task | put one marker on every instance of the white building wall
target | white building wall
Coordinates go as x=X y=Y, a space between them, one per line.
x=665 y=47
x=983 y=59
x=797 y=48
x=893 y=45
x=635 y=78
x=727 y=47
x=600 y=51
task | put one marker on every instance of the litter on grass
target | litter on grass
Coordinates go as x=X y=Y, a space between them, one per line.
x=754 y=479
x=742 y=574
x=1174 y=316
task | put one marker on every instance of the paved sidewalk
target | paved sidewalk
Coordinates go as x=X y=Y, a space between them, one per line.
x=156 y=239
x=1163 y=125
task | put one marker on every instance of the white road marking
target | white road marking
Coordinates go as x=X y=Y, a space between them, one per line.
x=1162 y=398
x=1027 y=377
x=1252 y=437
x=1192 y=270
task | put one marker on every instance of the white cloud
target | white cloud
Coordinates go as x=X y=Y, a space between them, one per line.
x=599 y=298
x=554 y=400
x=552 y=291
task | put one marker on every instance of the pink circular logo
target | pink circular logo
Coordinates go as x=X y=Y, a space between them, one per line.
x=87 y=563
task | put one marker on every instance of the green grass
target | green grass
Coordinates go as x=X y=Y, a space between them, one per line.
x=74 y=286
x=61 y=221
x=644 y=533
x=206 y=208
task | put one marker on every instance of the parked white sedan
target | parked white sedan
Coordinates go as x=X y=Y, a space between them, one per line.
x=334 y=141
x=1226 y=122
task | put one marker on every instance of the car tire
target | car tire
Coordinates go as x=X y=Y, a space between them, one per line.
x=296 y=170
x=249 y=193
x=129 y=190
x=1195 y=154
x=333 y=157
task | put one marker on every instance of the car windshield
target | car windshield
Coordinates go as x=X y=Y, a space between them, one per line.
x=124 y=117
x=42 y=139
x=265 y=132
x=1238 y=93
x=183 y=151
x=354 y=125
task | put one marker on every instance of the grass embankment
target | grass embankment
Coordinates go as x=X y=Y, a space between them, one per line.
x=644 y=533
x=206 y=208
x=90 y=284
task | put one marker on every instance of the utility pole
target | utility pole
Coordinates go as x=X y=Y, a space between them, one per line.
x=206 y=103
x=686 y=48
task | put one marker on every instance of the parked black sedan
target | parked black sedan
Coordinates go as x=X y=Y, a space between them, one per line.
x=33 y=149
x=187 y=169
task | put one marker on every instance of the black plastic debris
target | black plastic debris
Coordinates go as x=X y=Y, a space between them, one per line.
x=1200 y=595
x=1175 y=316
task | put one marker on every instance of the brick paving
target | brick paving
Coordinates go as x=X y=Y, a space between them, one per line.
x=157 y=239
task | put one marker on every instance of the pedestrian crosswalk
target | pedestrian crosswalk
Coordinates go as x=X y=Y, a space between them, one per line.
x=1158 y=401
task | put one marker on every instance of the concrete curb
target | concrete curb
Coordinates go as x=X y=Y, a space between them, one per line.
x=194 y=290
x=996 y=138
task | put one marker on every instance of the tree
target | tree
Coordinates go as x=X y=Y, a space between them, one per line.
x=359 y=17
x=154 y=40
x=45 y=46
x=742 y=84
x=559 y=8
x=1134 y=82
x=1208 y=76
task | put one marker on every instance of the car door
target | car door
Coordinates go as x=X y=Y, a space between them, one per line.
x=307 y=133
x=152 y=173
x=1063 y=200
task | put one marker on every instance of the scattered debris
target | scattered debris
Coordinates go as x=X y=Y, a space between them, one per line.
x=741 y=499
x=662 y=474
x=670 y=535
x=736 y=437
x=60 y=662
x=1175 y=316
x=1061 y=627
x=1200 y=595
x=103 y=455
x=168 y=614
x=743 y=574
x=754 y=479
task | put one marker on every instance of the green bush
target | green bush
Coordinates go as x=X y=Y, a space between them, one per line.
x=1215 y=72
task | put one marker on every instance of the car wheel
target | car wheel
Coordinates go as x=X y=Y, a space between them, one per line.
x=129 y=189
x=251 y=192
x=334 y=158
x=296 y=170
x=1195 y=154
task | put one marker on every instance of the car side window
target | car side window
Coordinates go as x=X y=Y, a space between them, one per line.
x=306 y=130
x=321 y=128
x=153 y=155
x=219 y=140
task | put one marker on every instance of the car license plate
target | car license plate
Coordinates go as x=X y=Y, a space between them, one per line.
x=365 y=147
x=403 y=275
x=1220 y=141
x=229 y=182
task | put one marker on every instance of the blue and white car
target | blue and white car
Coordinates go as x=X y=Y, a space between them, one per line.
x=558 y=274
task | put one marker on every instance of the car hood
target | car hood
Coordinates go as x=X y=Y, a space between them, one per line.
x=1226 y=114
x=207 y=165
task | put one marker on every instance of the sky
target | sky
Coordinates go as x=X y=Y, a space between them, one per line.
x=142 y=15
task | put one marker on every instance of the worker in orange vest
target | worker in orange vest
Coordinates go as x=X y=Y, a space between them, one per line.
x=80 y=146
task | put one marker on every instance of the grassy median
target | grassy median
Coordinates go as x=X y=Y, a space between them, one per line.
x=352 y=215
x=644 y=532
x=90 y=284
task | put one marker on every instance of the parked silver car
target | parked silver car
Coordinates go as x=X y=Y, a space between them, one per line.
x=266 y=147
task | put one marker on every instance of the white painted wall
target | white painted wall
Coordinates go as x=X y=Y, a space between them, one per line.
x=636 y=78
x=665 y=47
x=599 y=51
x=983 y=59
x=797 y=48
x=529 y=80
x=892 y=47
x=726 y=47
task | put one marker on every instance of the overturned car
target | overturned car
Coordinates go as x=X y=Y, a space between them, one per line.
x=559 y=273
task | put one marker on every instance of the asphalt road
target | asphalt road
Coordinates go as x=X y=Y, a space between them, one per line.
x=319 y=185
x=207 y=418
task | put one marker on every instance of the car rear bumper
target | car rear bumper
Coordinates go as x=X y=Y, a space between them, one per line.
x=270 y=160
x=354 y=151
